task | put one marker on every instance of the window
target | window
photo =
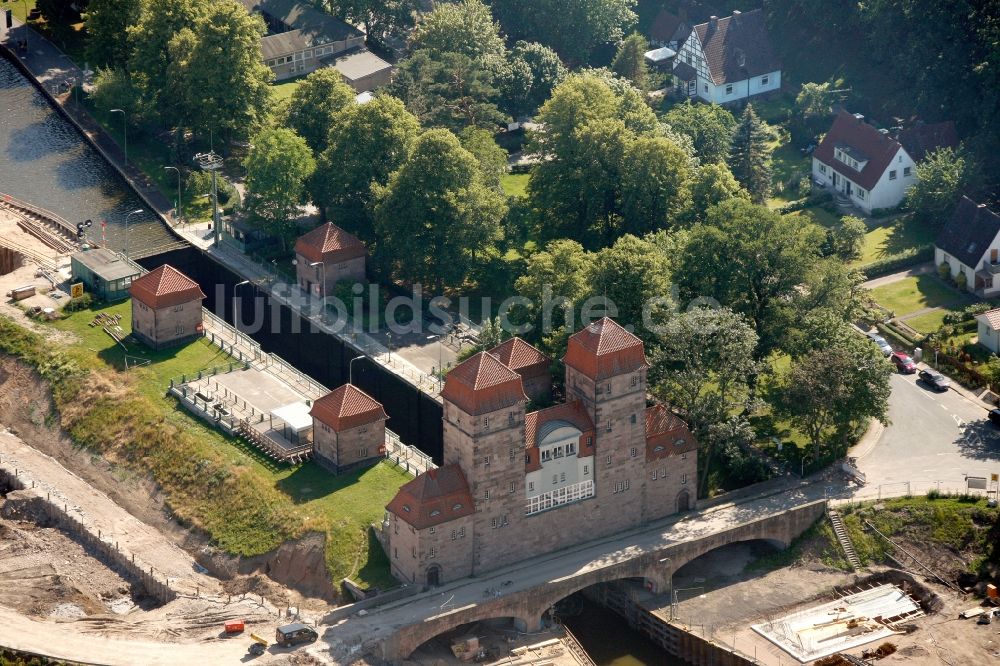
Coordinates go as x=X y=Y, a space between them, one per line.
x=555 y=479
x=906 y=172
x=179 y=329
x=432 y=553
x=632 y=419
x=512 y=455
x=406 y=508
x=486 y=495
x=635 y=380
x=586 y=470
x=590 y=441
x=633 y=452
x=309 y=54
x=395 y=527
x=562 y=477
x=395 y=553
x=822 y=168
x=764 y=80
x=486 y=461
x=654 y=475
x=609 y=460
x=486 y=423
x=494 y=523
x=892 y=175
x=679 y=442
x=457 y=507
x=706 y=87
x=608 y=390
x=363 y=452
x=454 y=534
x=684 y=478
x=435 y=512
x=861 y=194
x=608 y=426
x=684 y=456
x=729 y=89
x=531 y=486
x=513 y=487
x=433 y=530
x=414 y=551
x=461 y=532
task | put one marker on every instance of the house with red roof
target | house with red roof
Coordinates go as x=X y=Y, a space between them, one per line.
x=327 y=255
x=166 y=308
x=518 y=484
x=348 y=429
x=726 y=60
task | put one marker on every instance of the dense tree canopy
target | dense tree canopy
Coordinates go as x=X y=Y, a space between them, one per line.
x=465 y=27
x=381 y=18
x=437 y=217
x=709 y=126
x=942 y=177
x=314 y=104
x=750 y=156
x=525 y=79
x=630 y=61
x=713 y=184
x=572 y=27
x=277 y=168
x=107 y=23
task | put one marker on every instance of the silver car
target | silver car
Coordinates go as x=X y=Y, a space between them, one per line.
x=881 y=343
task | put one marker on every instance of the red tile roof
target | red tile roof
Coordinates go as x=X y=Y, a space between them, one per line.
x=666 y=27
x=574 y=413
x=165 y=287
x=328 y=242
x=604 y=349
x=854 y=133
x=927 y=137
x=482 y=384
x=347 y=407
x=991 y=318
x=737 y=47
x=521 y=357
x=666 y=434
x=434 y=497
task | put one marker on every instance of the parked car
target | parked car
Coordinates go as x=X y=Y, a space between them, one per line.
x=994 y=417
x=903 y=362
x=293 y=634
x=881 y=343
x=935 y=380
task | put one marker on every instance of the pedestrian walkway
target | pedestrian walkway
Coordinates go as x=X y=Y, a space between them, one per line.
x=920 y=269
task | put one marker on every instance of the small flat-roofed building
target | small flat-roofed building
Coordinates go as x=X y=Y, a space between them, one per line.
x=293 y=421
x=103 y=273
x=166 y=308
x=348 y=429
x=361 y=69
x=325 y=256
x=530 y=363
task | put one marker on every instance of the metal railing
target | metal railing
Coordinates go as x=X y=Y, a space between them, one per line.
x=33 y=255
x=38 y=210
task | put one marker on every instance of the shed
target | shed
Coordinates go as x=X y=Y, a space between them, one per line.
x=294 y=422
x=104 y=273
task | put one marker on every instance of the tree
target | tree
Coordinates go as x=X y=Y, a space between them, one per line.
x=315 y=103
x=750 y=157
x=656 y=185
x=941 y=178
x=710 y=127
x=107 y=23
x=555 y=276
x=702 y=365
x=813 y=100
x=572 y=27
x=526 y=78
x=752 y=260
x=630 y=61
x=436 y=217
x=846 y=240
x=277 y=167
x=381 y=18
x=216 y=72
x=367 y=142
x=447 y=90
x=57 y=12
x=711 y=185
x=634 y=276
x=491 y=157
x=852 y=387
x=465 y=27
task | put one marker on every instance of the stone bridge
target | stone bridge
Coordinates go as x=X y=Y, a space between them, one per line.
x=654 y=560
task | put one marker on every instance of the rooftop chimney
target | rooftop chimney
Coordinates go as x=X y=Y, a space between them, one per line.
x=713 y=22
x=860 y=117
x=736 y=13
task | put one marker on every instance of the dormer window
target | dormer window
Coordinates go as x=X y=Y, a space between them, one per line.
x=435 y=512
x=406 y=508
x=457 y=507
x=679 y=442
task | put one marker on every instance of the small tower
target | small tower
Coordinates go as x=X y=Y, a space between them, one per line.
x=484 y=435
x=606 y=369
x=348 y=428
x=530 y=363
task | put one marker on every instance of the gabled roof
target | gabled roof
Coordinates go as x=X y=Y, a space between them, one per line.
x=991 y=318
x=737 y=47
x=482 y=384
x=572 y=413
x=852 y=134
x=347 y=407
x=434 y=497
x=604 y=349
x=666 y=434
x=328 y=242
x=306 y=27
x=971 y=230
x=668 y=27
x=521 y=357
x=164 y=287
x=924 y=138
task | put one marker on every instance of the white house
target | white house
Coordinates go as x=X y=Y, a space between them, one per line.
x=970 y=244
x=727 y=60
x=989 y=330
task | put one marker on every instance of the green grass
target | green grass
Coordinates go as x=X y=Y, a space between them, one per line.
x=246 y=503
x=515 y=184
x=283 y=90
x=893 y=237
x=915 y=293
x=20 y=8
x=927 y=323
x=817 y=215
x=788 y=166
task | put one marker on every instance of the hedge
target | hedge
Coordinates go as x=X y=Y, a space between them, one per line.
x=898 y=262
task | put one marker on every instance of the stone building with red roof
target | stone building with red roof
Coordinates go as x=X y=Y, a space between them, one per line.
x=519 y=484
x=166 y=308
x=530 y=363
x=327 y=255
x=348 y=429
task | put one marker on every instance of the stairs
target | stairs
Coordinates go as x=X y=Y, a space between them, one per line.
x=845 y=541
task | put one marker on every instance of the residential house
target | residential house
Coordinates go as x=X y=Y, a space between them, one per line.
x=970 y=244
x=325 y=256
x=166 y=308
x=301 y=39
x=922 y=138
x=989 y=330
x=728 y=60
x=669 y=29
x=865 y=164
x=348 y=429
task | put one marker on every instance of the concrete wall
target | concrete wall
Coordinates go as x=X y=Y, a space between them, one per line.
x=310 y=278
x=529 y=606
x=166 y=326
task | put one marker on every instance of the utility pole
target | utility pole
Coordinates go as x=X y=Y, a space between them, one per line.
x=211 y=162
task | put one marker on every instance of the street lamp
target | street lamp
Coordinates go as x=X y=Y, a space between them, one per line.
x=137 y=210
x=180 y=215
x=211 y=162
x=322 y=284
x=670 y=579
x=124 y=134
x=440 y=367
x=350 y=369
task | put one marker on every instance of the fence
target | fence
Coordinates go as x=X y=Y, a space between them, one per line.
x=408 y=457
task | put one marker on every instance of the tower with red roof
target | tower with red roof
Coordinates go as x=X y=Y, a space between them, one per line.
x=166 y=308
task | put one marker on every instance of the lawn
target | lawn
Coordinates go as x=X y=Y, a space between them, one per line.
x=788 y=167
x=515 y=184
x=269 y=504
x=915 y=293
x=282 y=91
x=893 y=237
x=20 y=8
x=817 y=215
x=927 y=323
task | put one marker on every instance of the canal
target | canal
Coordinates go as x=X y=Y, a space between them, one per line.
x=609 y=640
x=45 y=161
